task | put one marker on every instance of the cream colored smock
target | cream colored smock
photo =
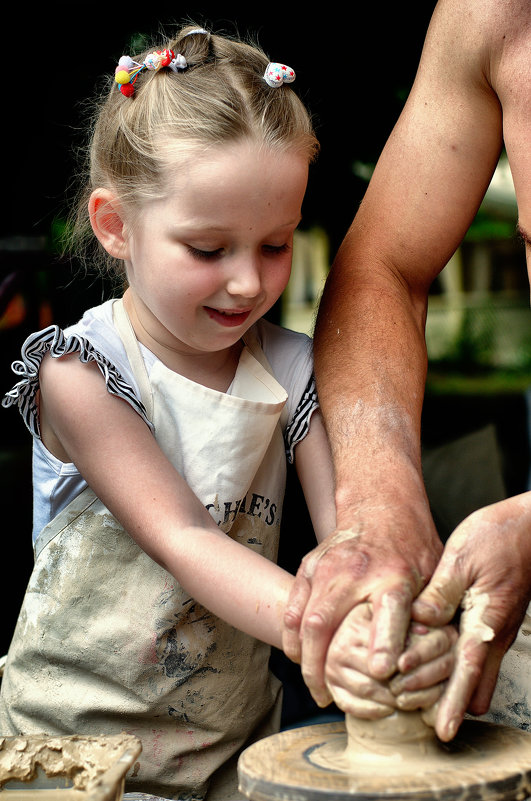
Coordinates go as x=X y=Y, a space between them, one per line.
x=108 y=641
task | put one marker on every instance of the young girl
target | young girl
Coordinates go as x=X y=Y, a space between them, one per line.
x=161 y=424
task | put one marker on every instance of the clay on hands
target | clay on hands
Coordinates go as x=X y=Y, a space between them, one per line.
x=424 y=666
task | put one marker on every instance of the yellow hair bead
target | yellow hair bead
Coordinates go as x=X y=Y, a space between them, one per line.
x=122 y=76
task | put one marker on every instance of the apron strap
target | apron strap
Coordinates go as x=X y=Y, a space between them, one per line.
x=132 y=348
x=251 y=341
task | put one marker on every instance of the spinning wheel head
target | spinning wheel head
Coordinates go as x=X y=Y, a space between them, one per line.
x=484 y=762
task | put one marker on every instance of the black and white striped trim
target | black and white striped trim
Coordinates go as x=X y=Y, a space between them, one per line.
x=299 y=424
x=53 y=340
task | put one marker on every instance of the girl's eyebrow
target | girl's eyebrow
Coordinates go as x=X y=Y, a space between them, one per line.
x=206 y=226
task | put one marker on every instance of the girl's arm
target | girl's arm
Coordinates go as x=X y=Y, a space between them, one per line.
x=121 y=461
x=313 y=461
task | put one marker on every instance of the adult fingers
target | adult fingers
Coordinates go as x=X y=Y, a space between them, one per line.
x=481 y=698
x=293 y=614
x=391 y=618
x=317 y=629
x=470 y=658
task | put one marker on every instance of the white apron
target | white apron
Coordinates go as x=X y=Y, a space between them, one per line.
x=108 y=641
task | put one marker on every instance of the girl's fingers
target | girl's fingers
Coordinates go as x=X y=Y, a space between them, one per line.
x=424 y=676
x=422 y=699
x=360 y=708
x=426 y=646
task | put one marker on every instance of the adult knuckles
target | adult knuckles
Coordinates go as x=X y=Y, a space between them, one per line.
x=392 y=601
x=292 y=619
x=315 y=625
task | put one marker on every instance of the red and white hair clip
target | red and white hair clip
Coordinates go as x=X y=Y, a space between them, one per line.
x=276 y=74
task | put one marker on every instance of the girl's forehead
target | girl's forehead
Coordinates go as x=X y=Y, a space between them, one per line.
x=240 y=174
x=230 y=160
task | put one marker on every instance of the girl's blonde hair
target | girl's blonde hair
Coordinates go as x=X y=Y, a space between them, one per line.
x=220 y=97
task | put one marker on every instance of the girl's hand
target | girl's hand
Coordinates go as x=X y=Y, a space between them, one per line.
x=346 y=669
x=424 y=666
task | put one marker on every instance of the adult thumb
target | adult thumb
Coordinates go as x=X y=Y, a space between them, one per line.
x=440 y=599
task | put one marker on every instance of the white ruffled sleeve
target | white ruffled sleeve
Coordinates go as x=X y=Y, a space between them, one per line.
x=57 y=343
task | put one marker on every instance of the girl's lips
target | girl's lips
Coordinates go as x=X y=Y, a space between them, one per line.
x=227 y=318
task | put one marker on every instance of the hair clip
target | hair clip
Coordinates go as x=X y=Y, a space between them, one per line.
x=196 y=30
x=128 y=70
x=277 y=74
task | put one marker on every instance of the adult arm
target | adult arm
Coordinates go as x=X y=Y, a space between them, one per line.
x=370 y=353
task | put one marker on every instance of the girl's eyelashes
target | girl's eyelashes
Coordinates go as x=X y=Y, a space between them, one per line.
x=208 y=255
x=204 y=255
x=276 y=249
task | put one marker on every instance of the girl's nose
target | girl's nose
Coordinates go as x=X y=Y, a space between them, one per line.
x=245 y=278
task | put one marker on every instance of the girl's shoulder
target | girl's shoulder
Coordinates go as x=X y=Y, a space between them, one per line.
x=94 y=339
x=96 y=327
x=290 y=353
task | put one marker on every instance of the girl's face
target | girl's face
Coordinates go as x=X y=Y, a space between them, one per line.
x=214 y=255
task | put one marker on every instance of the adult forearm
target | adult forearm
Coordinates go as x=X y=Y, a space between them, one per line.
x=370 y=395
x=385 y=545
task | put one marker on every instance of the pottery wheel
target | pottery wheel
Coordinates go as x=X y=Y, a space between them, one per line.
x=484 y=761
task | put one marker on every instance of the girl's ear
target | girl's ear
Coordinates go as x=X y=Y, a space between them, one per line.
x=106 y=218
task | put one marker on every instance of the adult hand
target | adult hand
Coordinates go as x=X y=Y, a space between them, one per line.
x=486 y=569
x=378 y=563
